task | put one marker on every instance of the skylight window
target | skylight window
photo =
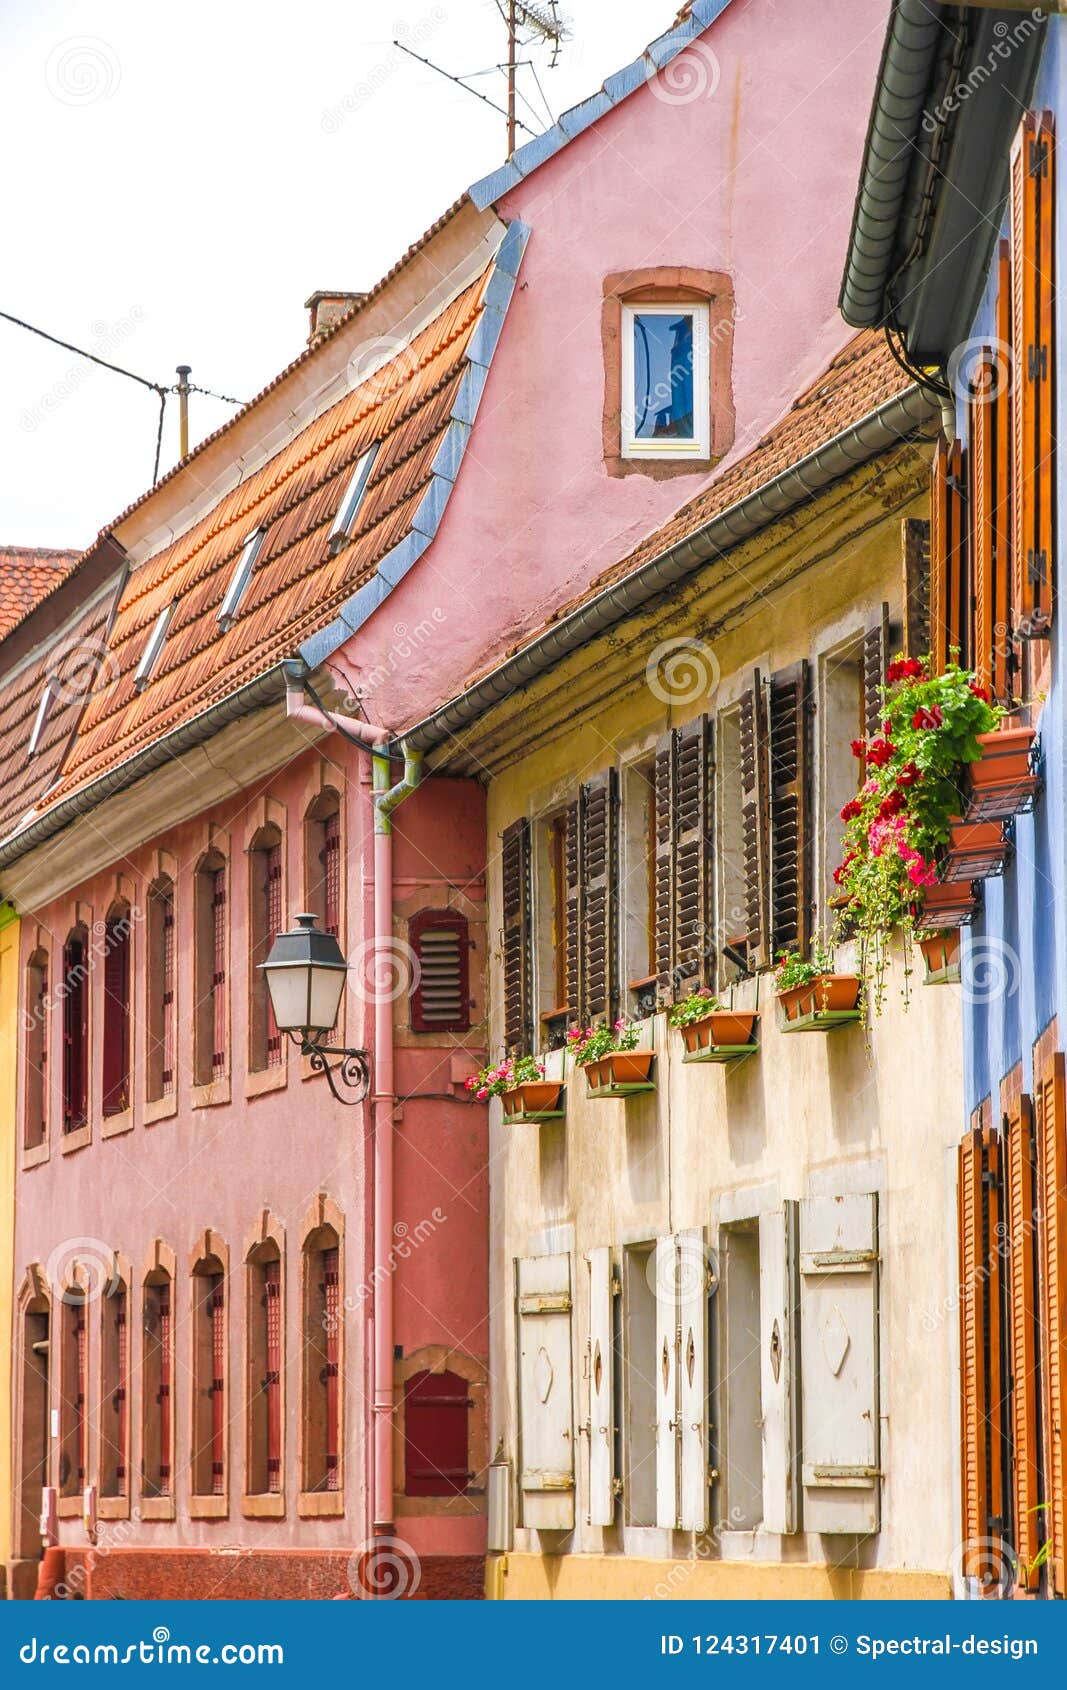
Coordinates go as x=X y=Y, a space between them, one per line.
x=239 y=580
x=346 y=516
x=150 y=655
x=40 y=720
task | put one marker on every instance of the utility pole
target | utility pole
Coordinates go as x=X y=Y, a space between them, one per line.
x=183 y=390
x=513 y=70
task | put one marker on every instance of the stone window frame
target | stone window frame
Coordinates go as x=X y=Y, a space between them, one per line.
x=209 y=1247
x=159 y=1260
x=268 y=1232
x=322 y=1214
x=120 y=1277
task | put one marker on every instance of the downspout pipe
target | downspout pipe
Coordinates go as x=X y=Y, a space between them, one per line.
x=376 y=740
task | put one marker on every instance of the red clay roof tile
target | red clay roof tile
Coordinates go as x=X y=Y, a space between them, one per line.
x=27 y=575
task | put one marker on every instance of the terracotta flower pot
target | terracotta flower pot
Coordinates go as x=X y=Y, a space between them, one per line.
x=619 y=1068
x=721 y=1027
x=941 y=952
x=948 y=904
x=834 y=994
x=1002 y=782
x=976 y=850
x=532 y=1097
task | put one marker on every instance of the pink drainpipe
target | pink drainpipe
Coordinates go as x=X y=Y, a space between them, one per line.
x=386 y=799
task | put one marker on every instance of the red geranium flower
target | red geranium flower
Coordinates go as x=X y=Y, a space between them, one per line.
x=909 y=774
x=980 y=692
x=924 y=718
x=879 y=752
x=851 y=810
x=892 y=805
x=904 y=669
x=859 y=748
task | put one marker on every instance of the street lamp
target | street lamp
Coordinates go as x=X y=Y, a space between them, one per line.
x=305 y=974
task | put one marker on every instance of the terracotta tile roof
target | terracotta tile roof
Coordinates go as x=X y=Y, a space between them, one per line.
x=296 y=587
x=27 y=575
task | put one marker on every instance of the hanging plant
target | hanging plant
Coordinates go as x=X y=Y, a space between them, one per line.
x=899 y=822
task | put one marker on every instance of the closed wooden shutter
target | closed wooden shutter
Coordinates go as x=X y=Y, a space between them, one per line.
x=116 y=1053
x=331 y=1318
x=546 y=1408
x=663 y=803
x=778 y=1407
x=1020 y=1205
x=166 y=1386
x=440 y=1001
x=75 y=1033
x=436 y=1434
x=600 y=902
x=664 y=1271
x=875 y=664
x=518 y=995
x=950 y=607
x=572 y=869
x=1050 y=1110
x=600 y=1364
x=983 y=441
x=980 y=1351
x=272 y=1382
x=1032 y=278
x=792 y=776
x=755 y=821
x=218 y=973
x=217 y=1312
x=693 y=1286
x=693 y=784
x=1003 y=662
x=915 y=569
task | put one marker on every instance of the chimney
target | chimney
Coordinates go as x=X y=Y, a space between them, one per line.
x=325 y=310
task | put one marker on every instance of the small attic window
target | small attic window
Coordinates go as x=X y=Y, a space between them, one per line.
x=346 y=515
x=40 y=720
x=665 y=381
x=240 y=578
x=150 y=655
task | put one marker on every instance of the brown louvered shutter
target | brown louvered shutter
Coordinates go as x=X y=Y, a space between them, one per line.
x=982 y=1472
x=950 y=605
x=1003 y=651
x=692 y=855
x=983 y=549
x=600 y=901
x=1020 y=1195
x=572 y=870
x=1050 y=1110
x=1032 y=277
x=755 y=821
x=915 y=562
x=792 y=775
x=663 y=808
x=518 y=998
x=875 y=664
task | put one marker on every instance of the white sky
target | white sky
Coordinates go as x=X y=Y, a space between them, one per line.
x=178 y=179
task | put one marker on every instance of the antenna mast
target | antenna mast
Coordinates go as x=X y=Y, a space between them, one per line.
x=543 y=23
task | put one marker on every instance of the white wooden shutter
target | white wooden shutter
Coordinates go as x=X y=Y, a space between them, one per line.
x=601 y=1382
x=691 y=1271
x=839 y=1347
x=666 y=1383
x=546 y=1406
x=778 y=1298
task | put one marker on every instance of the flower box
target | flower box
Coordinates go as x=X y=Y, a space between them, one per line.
x=533 y=1100
x=620 y=1073
x=830 y=1000
x=726 y=1035
x=976 y=851
x=941 y=953
x=1002 y=782
x=951 y=904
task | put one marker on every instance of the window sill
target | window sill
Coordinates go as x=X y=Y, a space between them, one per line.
x=160 y=1108
x=76 y=1140
x=113 y=1507
x=69 y=1507
x=215 y=1092
x=157 y=1508
x=209 y=1508
x=112 y=1126
x=34 y=1157
x=267 y=1079
x=320 y=1504
x=266 y=1507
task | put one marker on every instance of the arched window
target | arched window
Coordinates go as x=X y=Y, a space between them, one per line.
x=321 y=1373
x=157 y=1384
x=266 y=1344
x=75 y=990
x=265 y=873
x=440 y=999
x=36 y=1025
x=115 y=1389
x=210 y=952
x=322 y=861
x=73 y=1390
x=436 y=1434
x=161 y=1004
x=34 y=1441
x=116 y=1051
x=209 y=1377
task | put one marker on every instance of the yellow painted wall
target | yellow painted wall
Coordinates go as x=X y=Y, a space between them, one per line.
x=9 y=997
x=633 y=1578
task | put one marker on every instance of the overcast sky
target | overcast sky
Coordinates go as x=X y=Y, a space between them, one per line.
x=178 y=179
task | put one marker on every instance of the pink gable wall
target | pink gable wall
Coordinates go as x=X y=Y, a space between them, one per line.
x=754 y=176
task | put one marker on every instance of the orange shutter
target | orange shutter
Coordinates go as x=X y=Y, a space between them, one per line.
x=1021 y=1220
x=982 y=437
x=981 y=1426
x=949 y=586
x=1032 y=278
x=1000 y=429
x=1050 y=1108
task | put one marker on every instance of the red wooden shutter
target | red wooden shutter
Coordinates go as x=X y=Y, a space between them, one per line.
x=692 y=818
x=218 y=973
x=273 y=926
x=331 y=1302
x=663 y=818
x=980 y=1351
x=517 y=937
x=116 y=1053
x=217 y=1308
x=81 y=1400
x=1033 y=208
x=166 y=1377
x=1020 y=1193
x=436 y=1415
x=792 y=778
x=121 y=1396
x=600 y=898
x=440 y=1001
x=1050 y=1108
x=950 y=606
x=915 y=568
x=75 y=1035
x=755 y=821
x=167 y=998
x=272 y=1384
x=875 y=664
x=331 y=874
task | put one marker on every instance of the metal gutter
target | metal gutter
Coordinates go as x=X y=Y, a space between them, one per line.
x=908 y=59
x=897 y=419
x=265 y=689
